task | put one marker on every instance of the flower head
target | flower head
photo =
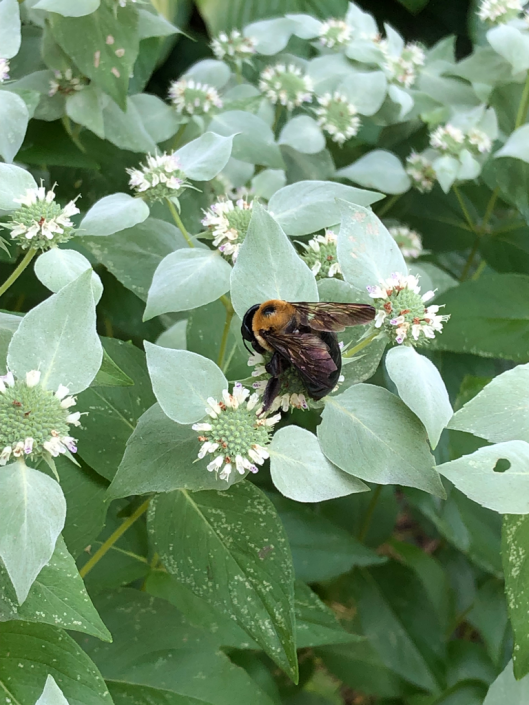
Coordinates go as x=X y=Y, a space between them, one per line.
x=334 y=33
x=478 y=141
x=193 y=98
x=321 y=256
x=402 y=69
x=34 y=421
x=337 y=116
x=452 y=140
x=4 y=70
x=233 y=435
x=160 y=178
x=409 y=241
x=66 y=83
x=39 y=221
x=421 y=172
x=233 y=47
x=499 y=11
x=286 y=85
x=401 y=311
x=228 y=222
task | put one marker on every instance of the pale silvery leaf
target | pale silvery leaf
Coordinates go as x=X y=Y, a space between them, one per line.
x=32 y=514
x=182 y=382
x=362 y=22
x=174 y=337
x=447 y=171
x=304 y=134
x=10 y=36
x=59 y=338
x=86 y=108
x=365 y=90
x=301 y=472
x=14 y=118
x=380 y=170
x=506 y=690
x=152 y=24
x=186 y=279
x=253 y=141
x=112 y=214
x=307 y=206
x=159 y=119
x=268 y=267
x=470 y=167
x=211 y=72
x=421 y=387
x=67 y=8
x=270 y=36
x=366 y=251
x=517 y=145
x=267 y=182
x=402 y=98
x=14 y=182
x=56 y=268
x=52 y=694
x=203 y=158
x=306 y=27
x=506 y=492
x=124 y=128
x=380 y=439
x=500 y=412
x=512 y=44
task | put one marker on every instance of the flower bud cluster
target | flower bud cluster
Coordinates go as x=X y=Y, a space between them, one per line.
x=421 y=172
x=496 y=12
x=452 y=140
x=160 y=178
x=193 y=98
x=403 y=69
x=337 y=116
x=66 y=83
x=334 y=33
x=321 y=256
x=286 y=85
x=233 y=47
x=409 y=241
x=228 y=222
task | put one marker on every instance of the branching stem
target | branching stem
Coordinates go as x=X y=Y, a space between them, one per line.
x=18 y=270
x=178 y=220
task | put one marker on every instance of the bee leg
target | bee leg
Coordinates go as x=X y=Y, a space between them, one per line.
x=271 y=392
x=277 y=365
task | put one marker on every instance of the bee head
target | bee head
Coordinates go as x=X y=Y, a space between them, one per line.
x=247 y=328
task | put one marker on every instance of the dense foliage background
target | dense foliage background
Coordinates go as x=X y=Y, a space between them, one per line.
x=379 y=554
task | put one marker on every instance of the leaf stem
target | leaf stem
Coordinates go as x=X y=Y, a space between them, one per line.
x=225 y=332
x=521 y=115
x=470 y=259
x=388 y=205
x=369 y=513
x=117 y=534
x=178 y=221
x=18 y=271
x=490 y=208
x=465 y=209
x=178 y=137
x=74 y=137
x=361 y=345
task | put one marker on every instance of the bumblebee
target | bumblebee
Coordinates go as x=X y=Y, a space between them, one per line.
x=302 y=335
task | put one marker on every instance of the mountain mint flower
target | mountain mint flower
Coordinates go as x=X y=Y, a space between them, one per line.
x=4 y=70
x=233 y=47
x=500 y=11
x=233 y=435
x=421 y=172
x=228 y=223
x=452 y=140
x=193 y=98
x=334 y=33
x=160 y=178
x=402 y=69
x=66 y=83
x=337 y=116
x=286 y=85
x=34 y=421
x=478 y=141
x=401 y=311
x=321 y=256
x=409 y=241
x=39 y=221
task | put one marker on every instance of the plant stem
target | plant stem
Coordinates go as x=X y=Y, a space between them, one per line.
x=18 y=271
x=225 y=332
x=178 y=221
x=479 y=270
x=468 y=263
x=361 y=345
x=118 y=533
x=521 y=115
x=178 y=137
x=490 y=208
x=276 y=118
x=74 y=137
x=465 y=209
x=369 y=513
x=388 y=205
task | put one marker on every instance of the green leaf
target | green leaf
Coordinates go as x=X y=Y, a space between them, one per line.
x=511 y=177
x=8 y=325
x=515 y=540
x=14 y=118
x=268 y=267
x=58 y=337
x=267 y=182
x=380 y=170
x=253 y=139
x=182 y=382
x=114 y=213
x=506 y=689
x=380 y=439
x=174 y=337
x=57 y=597
x=56 y=268
x=112 y=412
x=233 y=552
x=52 y=694
x=316 y=624
x=187 y=279
x=32 y=512
x=488 y=416
x=210 y=71
x=124 y=127
x=504 y=490
x=68 y=9
x=14 y=182
x=29 y=653
x=152 y=24
x=304 y=134
x=512 y=44
x=161 y=456
x=321 y=550
x=158 y=657
x=366 y=251
x=203 y=158
x=366 y=90
x=10 y=36
x=421 y=387
x=110 y=375
x=308 y=206
x=84 y=39
x=300 y=471
x=516 y=145
x=159 y=119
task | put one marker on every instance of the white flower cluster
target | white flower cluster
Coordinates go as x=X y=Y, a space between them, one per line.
x=233 y=46
x=321 y=255
x=286 y=85
x=409 y=241
x=161 y=177
x=334 y=33
x=286 y=399
x=401 y=311
x=337 y=116
x=402 y=69
x=452 y=140
x=66 y=83
x=4 y=70
x=500 y=11
x=421 y=172
x=228 y=222
x=193 y=98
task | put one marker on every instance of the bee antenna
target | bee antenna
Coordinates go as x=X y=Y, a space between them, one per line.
x=247 y=348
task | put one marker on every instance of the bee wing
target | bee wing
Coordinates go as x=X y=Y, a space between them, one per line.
x=307 y=352
x=333 y=317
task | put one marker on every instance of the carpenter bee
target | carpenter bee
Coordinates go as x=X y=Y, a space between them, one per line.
x=302 y=335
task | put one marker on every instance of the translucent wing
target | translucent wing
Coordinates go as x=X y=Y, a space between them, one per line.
x=307 y=352
x=333 y=317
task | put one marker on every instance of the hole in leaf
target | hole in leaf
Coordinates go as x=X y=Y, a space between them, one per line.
x=502 y=465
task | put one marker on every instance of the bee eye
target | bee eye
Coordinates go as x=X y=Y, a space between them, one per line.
x=268 y=310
